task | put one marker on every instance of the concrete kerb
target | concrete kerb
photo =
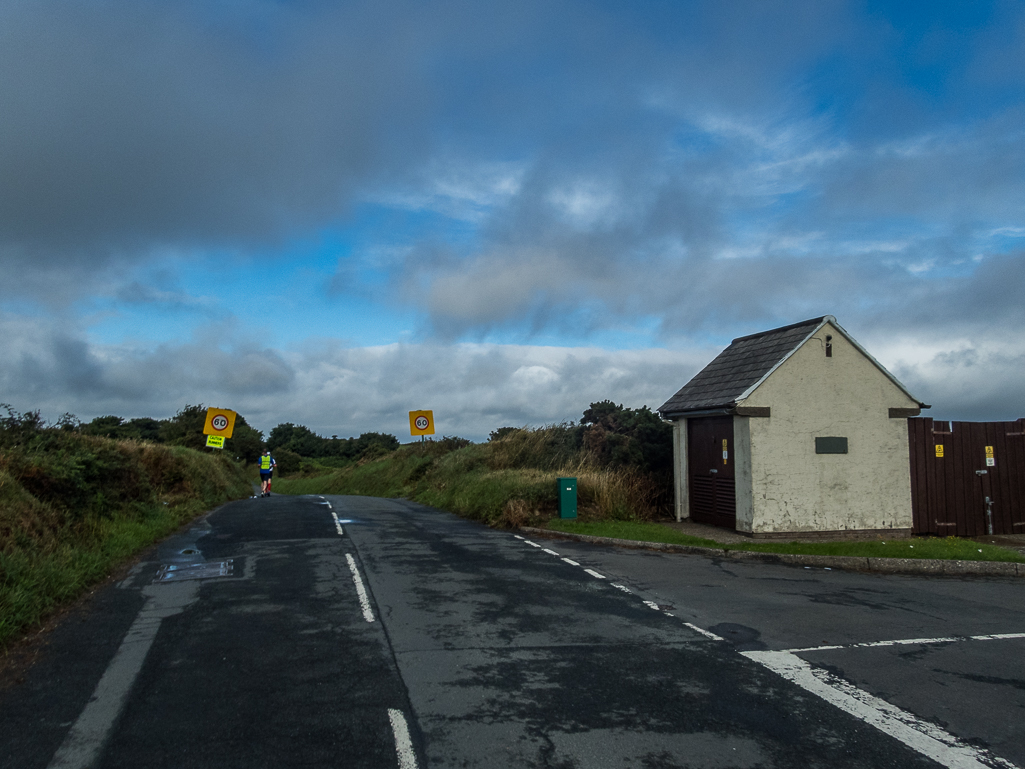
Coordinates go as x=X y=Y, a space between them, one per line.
x=851 y=563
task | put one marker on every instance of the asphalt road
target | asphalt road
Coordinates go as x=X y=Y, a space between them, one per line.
x=359 y=632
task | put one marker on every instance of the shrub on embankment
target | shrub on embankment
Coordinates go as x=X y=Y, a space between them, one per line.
x=74 y=506
x=509 y=481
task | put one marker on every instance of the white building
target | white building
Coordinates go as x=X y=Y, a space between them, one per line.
x=793 y=431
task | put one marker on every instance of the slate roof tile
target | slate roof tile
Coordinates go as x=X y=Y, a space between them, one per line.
x=744 y=362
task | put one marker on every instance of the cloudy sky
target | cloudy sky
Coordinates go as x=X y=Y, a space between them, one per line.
x=331 y=213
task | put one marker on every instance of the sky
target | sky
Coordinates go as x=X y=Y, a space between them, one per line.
x=333 y=213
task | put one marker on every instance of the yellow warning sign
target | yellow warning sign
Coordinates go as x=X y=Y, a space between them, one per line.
x=939 y=450
x=215 y=441
x=421 y=423
x=219 y=422
x=989 y=451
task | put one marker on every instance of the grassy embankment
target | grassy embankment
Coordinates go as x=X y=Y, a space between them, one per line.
x=511 y=483
x=73 y=507
x=506 y=483
x=946 y=548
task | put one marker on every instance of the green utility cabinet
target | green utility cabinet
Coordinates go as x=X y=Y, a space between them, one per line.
x=567 y=497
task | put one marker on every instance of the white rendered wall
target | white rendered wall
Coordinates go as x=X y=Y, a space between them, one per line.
x=792 y=488
x=680 y=478
x=742 y=472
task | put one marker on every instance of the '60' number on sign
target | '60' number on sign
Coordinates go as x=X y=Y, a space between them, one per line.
x=219 y=422
x=422 y=423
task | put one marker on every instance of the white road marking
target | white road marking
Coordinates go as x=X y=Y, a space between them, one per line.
x=624 y=588
x=83 y=742
x=595 y=574
x=403 y=745
x=652 y=605
x=517 y=536
x=571 y=563
x=338 y=525
x=364 y=602
x=912 y=642
x=532 y=544
x=550 y=552
x=706 y=633
x=919 y=735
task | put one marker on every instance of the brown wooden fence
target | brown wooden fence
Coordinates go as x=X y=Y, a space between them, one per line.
x=957 y=466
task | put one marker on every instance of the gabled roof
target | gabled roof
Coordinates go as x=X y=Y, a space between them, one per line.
x=746 y=363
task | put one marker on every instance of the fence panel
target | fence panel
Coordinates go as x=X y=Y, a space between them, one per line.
x=950 y=485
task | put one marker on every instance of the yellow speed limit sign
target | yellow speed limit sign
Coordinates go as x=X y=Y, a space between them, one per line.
x=219 y=422
x=421 y=423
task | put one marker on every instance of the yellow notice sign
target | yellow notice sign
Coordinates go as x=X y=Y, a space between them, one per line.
x=989 y=451
x=939 y=450
x=421 y=423
x=215 y=441
x=219 y=422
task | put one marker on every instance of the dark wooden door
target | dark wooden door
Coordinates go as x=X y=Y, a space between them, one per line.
x=966 y=476
x=713 y=494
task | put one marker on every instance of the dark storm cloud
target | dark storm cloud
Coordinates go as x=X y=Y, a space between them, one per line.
x=129 y=125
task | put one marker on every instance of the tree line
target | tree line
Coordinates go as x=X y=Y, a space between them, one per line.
x=610 y=433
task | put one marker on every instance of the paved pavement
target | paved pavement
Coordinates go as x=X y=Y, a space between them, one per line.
x=362 y=632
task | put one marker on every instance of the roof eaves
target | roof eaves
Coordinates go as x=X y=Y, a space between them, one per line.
x=879 y=365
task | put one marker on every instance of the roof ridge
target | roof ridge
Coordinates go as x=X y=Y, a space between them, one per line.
x=808 y=322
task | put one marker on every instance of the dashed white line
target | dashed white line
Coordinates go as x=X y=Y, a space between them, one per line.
x=919 y=735
x=532 y=544
x=364 y=602
x=595 y=574
x=403 y=745
x=651 y=605
x=550 y=552
x=624 y=588
x=571 y=563
x=706 y=633
x=338 y=525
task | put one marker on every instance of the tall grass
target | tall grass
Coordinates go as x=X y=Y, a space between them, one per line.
x=508 y=482
x=73 y=507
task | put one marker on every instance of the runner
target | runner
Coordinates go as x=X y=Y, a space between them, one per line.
x=267 y=465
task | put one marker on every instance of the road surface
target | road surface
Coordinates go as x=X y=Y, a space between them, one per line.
x=361 y=632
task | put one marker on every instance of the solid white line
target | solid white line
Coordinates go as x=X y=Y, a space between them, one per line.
x=83 y=742
x=364 y=602
x=595 y=574
x=706 y=633
x=403 y=745
x=911 y=642
x=338 y=524
x=926 y=738
x=571 y=563
x=550 y=552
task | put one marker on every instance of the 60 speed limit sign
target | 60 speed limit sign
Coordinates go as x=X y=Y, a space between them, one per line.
x=219 y=422
x=421 y=423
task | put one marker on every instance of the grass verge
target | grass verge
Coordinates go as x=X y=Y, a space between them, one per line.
x=73 y=508
x=942 y=548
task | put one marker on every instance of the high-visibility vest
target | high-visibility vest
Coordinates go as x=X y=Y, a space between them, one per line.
x=265 y=462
